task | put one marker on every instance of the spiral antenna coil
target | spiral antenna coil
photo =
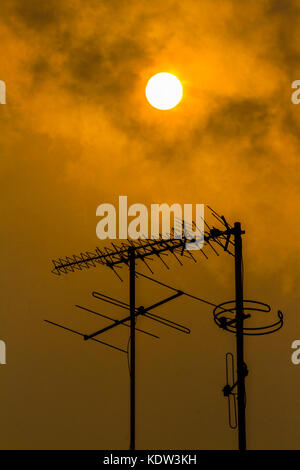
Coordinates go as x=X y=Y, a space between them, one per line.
x=225 y=317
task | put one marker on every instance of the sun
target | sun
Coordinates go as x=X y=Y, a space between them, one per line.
x=164 y=91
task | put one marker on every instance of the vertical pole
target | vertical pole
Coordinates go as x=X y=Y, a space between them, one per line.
x=132 y=345
x=239 y=300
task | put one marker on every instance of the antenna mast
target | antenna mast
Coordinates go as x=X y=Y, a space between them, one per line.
x=229 y=316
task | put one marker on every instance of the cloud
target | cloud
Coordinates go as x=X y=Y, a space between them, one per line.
x=77 y=131
x=39 y=15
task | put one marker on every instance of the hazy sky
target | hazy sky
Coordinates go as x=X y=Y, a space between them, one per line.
x=76 y=132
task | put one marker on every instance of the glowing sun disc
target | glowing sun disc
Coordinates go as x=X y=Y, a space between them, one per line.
x=164 y=91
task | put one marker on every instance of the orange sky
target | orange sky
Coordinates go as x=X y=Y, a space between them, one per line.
x=76 y=132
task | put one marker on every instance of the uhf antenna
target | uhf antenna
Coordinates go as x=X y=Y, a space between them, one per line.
x=129 y=253
x=229 y=316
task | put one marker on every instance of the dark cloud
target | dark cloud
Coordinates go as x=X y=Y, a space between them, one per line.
x=236 y=119
x=282 y=7
x=286 y=17
x=103 y=73
x=37 y=15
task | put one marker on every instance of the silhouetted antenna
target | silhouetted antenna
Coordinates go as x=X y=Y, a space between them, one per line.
x=114 y=320
x=146 y=311
x=225 y=317
x=147 y=250
x=229 y=316
x=134 y=313
x=129 y=253
x=83 y=335
x=229 y=390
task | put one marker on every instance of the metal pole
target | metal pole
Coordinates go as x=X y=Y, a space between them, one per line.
x=240 y=336
x=132 y=345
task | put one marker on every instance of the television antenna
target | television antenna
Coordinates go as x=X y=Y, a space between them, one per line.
x=229 y=316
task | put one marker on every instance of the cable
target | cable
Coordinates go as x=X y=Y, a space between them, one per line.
x=176 y=290
x=128 y=360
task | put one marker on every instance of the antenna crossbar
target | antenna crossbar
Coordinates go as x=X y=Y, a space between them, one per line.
x=139 y=311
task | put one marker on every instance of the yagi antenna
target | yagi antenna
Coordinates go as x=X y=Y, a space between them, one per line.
x=147 y=250
x=143 y=311
x=114 y=320
x=133 y=314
